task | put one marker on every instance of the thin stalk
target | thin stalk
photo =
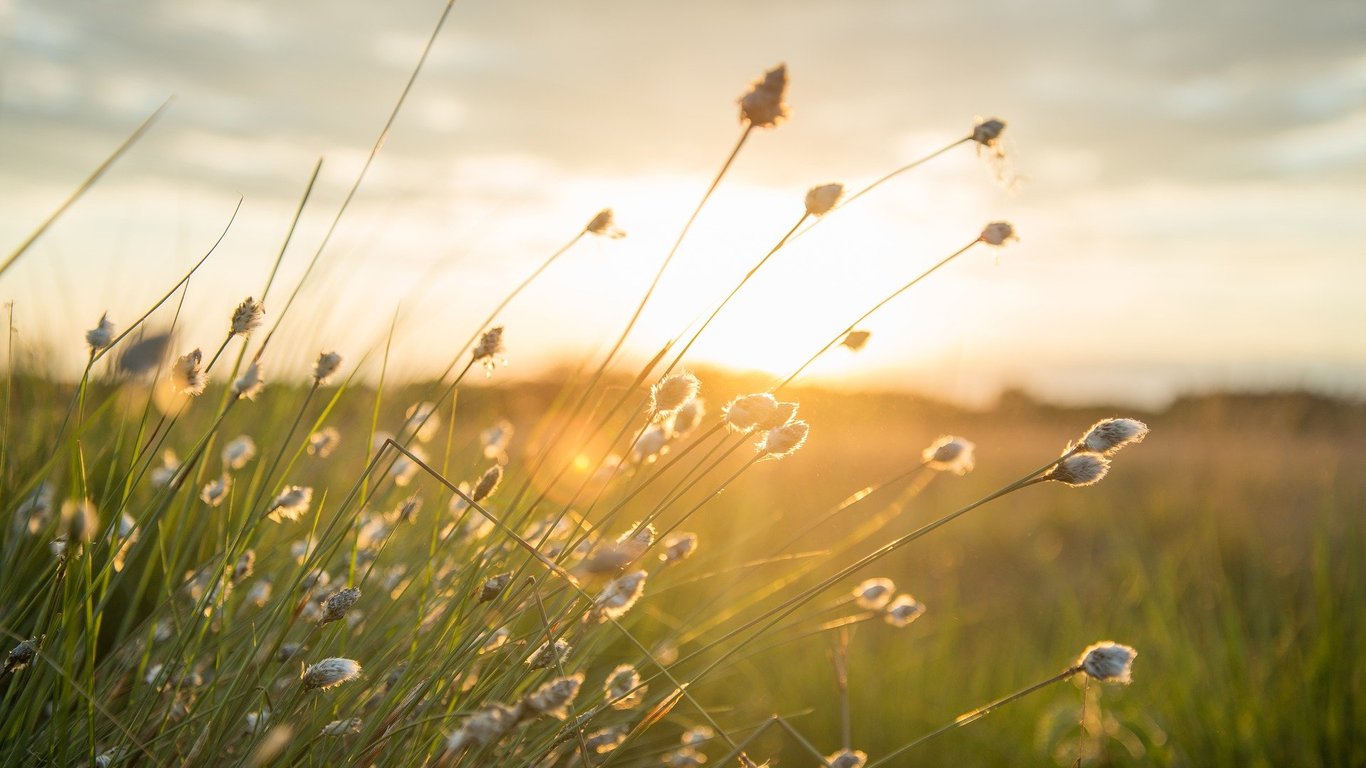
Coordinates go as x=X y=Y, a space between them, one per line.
x=976 y=714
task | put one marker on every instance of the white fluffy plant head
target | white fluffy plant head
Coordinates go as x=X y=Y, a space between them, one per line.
x=763 y=105
x=329 y=673
x=822 y=199
x=101 y=336
x=1108 y=662
x=951 y=454
x=673 y=392
x=1108 y=436
x=250 y=383
x=604 y=225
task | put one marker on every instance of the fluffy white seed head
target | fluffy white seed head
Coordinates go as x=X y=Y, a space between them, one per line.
x=336 y=605
x=326 y=366
x=292 y=502
x=341 y=727
x=1109 y=662
x=950 y=454
x=215 y=491
x=494 y=586
x=697 y=736
x=329 y=672
x=1108 y=436
x=679 y=546
x=622 y=687
x=549 y=655
x=604 y=740
x=673 y=392
x=604 y=225
x=987 y=133
x=23 y=654
x=187 y=376
x=323 y=442
x=763 y=106
x=248 y=316
x=619 y=595
x=902 y=611
x=846 y=758
x=1079 y=469
x=495 y=440
x=238 y=451
x=486 y=726
x=554 y=697
x=488 y=483
x=162 y=474
x=490 y=350
x=874 y=594
x=102 y=335
x=998 y=233
x=822 y=199
x=689 y=417
x=651 y=444
x=249 y=384
x=758 y=411
x=687 y=757
x=422 y=420
x=785 y=440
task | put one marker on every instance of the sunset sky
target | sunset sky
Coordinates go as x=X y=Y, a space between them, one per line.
x=1189 y=181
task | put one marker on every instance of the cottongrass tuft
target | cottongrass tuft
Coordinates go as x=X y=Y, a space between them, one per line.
x=950 y=454
x=686 y=757
x=998 y=233
x=846 y=758
x=651 y=444
x=490 y=350
x=673 y=392
x=604 y=225
x=341 y=727
x=902 y=611
x=422 y=421
x=23 y=654
x=215 y=491
x=162 y=474
x=874 y=594
x=679 y=546
x=101 y=336
x=763 y=106
x=1108 y=662
x=1108 y=436
x=247 y=317
x=494 y=586
x=856 y=340
x=555 y=697
x=758 y=411
x=1079 y=469
x=495 y=440
x=619 y=595
x=239 y=451
x=549 y=654
x=334 y=608
x=326 y=367
x=622 y=688
x=486 y=726
x=785 y=440
x=323 y=442
x=329 y=673
x=249 y=384
x=987 y=133
x=688 y=418
x=697 y=736
x=822 y=199
x=604 y=740
x=488 y=483
x=290 y=505
x=187 y=376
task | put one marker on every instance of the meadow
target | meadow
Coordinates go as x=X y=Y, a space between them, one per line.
x=636 y=565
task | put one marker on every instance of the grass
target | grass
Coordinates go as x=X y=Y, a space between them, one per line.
x=165 y=629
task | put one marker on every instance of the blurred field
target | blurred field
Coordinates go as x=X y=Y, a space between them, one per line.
x=1226 y=549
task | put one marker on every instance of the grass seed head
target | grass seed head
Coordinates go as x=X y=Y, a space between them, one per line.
x=247 y=317
x=341 y=727
x=494 y=586
x=651 y=444
x=336 y=605
x=323 y=442
x=822 y=199
x=292 y=502
x=326 y=367
x=673 y=392
x=998 y=233
x=763 y=106
x=1108 y=436
x=549 y=655
x=23 y=654
x=874 y=594
x=856 y=340
x=619 y=595
x=902 y=611
x=689 y=417
x=785 y=440
x=215 y=491
x=495 y=440
x=554 y=697
x=679 y=546
x=846 y=758
x=622 y=688
x=490 y=350
x=187 y=375
x=486 y=726
x=1108 y=662
x=239 y=451
x=748 y=412
x=488 y=483
x=697 y=736
x=604 y=225
x=987 y=133
x=249 y=384
x=686 y=757
x=329 y=673
x=101 y=336
x=950 y=454
x=604 y=740
x=1079 y=469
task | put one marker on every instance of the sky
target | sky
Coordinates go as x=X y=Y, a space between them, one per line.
x=1188 y=181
